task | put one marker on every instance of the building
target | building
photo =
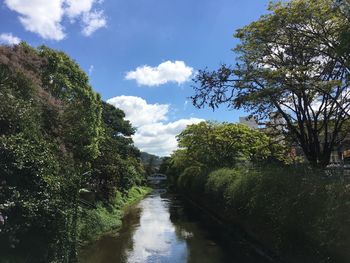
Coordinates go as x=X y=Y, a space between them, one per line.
x=275 y=127
x=249 y=121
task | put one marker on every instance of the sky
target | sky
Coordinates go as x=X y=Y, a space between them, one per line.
x=140 y=55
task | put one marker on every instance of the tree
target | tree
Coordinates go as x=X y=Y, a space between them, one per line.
x=119 y=129
x=208 y=146
x=56 y=136
x=164 y=165
x=50 y=129
x=293 y=61
x=216 y=145
x=80 y=118
x=115 y=168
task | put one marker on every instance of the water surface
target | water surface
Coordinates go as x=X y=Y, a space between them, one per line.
x=163 y=228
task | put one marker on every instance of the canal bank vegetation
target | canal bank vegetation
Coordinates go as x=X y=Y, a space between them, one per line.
x=292 y=75
x=103 y=219
x=67 y=161
x=245 y=178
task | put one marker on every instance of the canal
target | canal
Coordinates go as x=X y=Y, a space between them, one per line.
x=164 y=228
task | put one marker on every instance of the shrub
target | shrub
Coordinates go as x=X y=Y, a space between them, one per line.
x=104 y=218
x=99 y=220
x=192 y=178
x=295 y=210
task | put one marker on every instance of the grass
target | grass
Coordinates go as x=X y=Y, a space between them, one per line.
x=105 y=218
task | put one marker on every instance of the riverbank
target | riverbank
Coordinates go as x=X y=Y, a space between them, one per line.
x=164 y=227
x=233 y=231
x=295 y=213
x=103 y=219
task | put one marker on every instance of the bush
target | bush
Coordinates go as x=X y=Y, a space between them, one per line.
x=192 y=178
x=105 y=218
x=99 y=220
x=293 y=210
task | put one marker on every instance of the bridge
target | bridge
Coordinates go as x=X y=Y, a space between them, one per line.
x=156 y=178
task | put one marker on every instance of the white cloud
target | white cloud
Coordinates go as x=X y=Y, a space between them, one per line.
x=138 y=111
x=153 y=134
x=40 y=16
x=93 y=21
x=165 y=72
x=160 y=138
x=44 y=17
x=77 y=7
x=9 y=39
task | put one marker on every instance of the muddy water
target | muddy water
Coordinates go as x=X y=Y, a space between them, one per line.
x=163 y=228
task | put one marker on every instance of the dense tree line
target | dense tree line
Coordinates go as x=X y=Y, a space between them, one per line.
x=245 y=177
x=57 y=137
x=292 y=73
x=208 y=146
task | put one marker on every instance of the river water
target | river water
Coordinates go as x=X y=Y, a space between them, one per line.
x=163 y=228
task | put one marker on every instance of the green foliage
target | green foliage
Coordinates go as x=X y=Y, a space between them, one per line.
x=99 y=220
x=288 y=208
x=294 y=63
x=207 y=146
x=135 y=193
x=104 y=218
x=225 y=144
x=293 y=207
x=56 y=137
x=66 y=82
x=119 y=129
x=289 y=61
x=222 y=183
x=297 y=211
x=32 y=185
x=192 y=178
x=110 y=172
x=164 y=165
x=117 y=166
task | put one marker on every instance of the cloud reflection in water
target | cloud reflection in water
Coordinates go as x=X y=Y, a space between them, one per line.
x=155 y=239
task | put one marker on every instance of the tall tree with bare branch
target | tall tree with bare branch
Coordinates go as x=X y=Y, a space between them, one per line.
x=293 y=61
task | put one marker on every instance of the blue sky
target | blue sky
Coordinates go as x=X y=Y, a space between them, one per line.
x=110 y=39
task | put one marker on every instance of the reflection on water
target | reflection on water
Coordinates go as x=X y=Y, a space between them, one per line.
x=159 y=230
x=155 y=240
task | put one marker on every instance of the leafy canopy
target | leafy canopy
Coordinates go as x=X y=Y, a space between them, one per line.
x=293 y=61
x=224 y=144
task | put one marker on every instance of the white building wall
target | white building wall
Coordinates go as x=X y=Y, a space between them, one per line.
x=250 y=122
